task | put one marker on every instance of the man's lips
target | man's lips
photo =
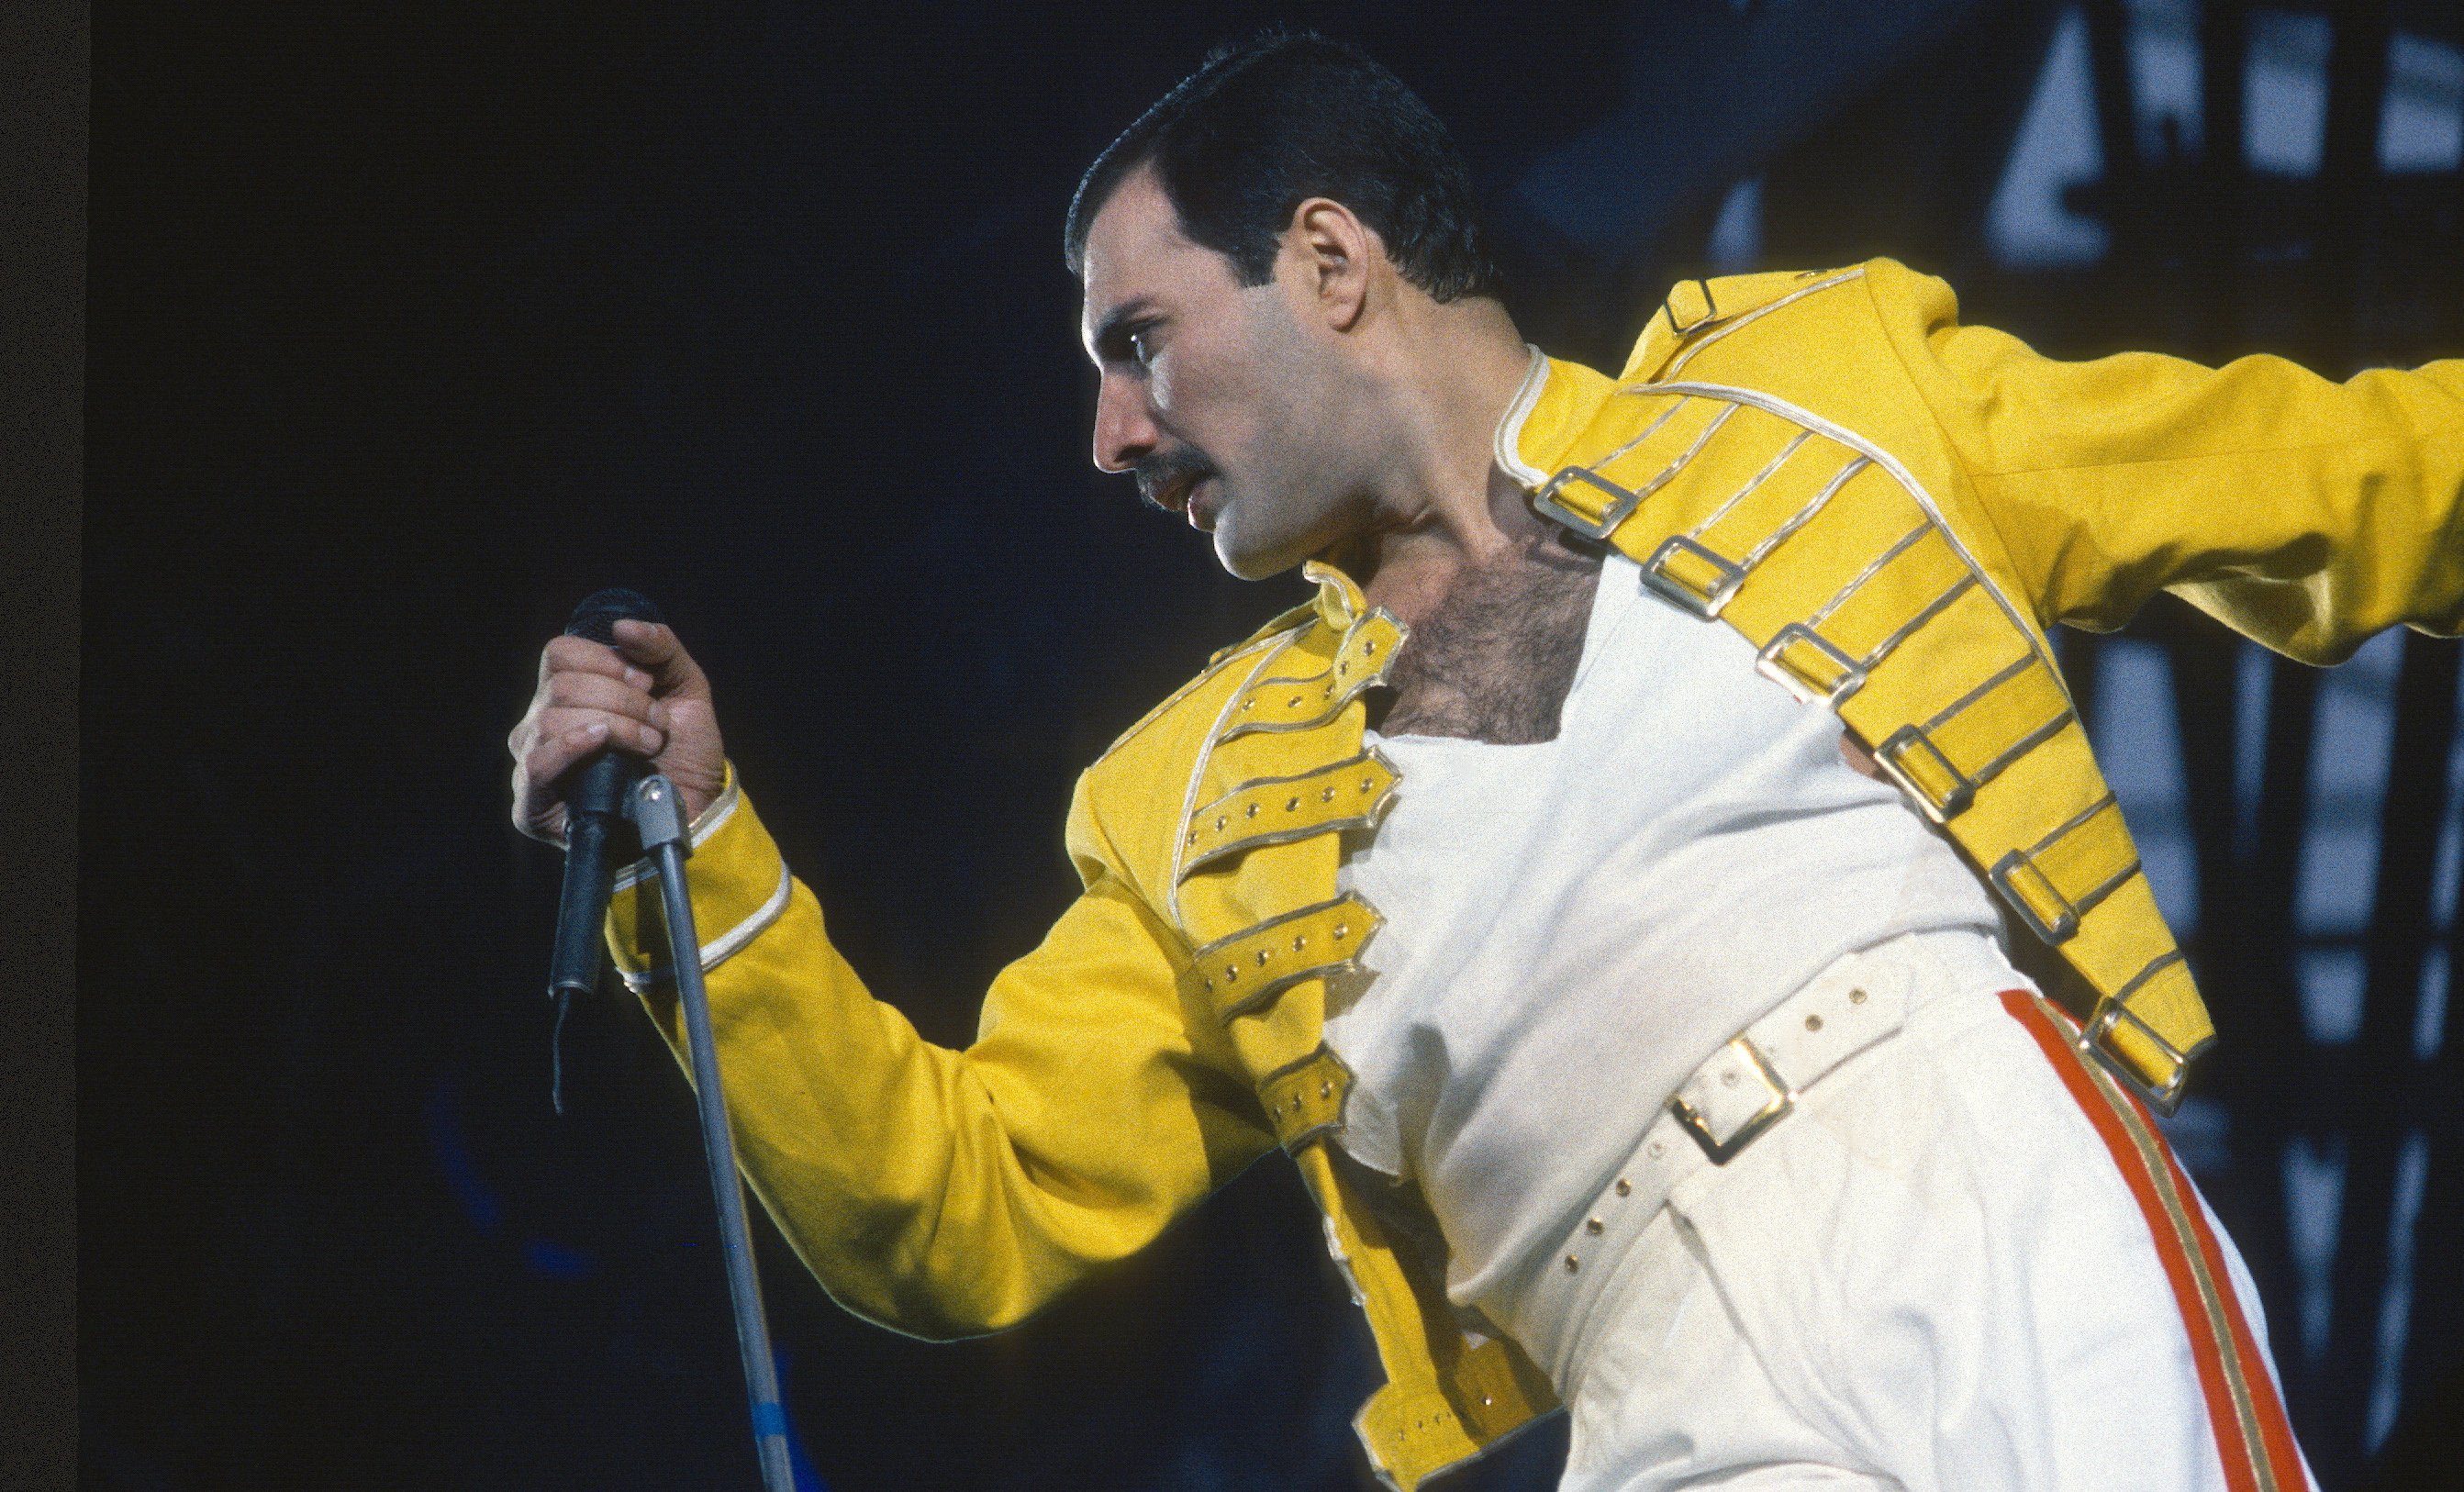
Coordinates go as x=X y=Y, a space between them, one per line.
x=1182 y=495
x=1198 y=503
x=1171 y=480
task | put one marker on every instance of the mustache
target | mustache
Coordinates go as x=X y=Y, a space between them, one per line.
x=1158 y=472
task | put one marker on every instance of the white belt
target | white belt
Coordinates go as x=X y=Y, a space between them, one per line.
x=1741 y=1090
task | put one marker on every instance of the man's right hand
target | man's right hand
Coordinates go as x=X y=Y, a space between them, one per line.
x=644 y=697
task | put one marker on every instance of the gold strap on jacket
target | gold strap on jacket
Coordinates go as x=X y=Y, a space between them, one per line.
x=1241 y=973
x=1298 y=704
x=1591 y=504
x=1306 y=1099
x=1969 y=741
x=1695 y=569
x=1687 y=568
x=1829 y=655
x=2059 y=879
x=1353 y=793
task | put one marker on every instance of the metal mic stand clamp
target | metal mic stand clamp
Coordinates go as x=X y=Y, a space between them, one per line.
x=658 y=811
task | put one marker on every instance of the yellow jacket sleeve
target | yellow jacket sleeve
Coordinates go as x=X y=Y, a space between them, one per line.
x=2305 y=513
x=946 y=1194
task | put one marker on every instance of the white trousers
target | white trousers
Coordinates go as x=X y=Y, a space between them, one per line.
x=1965 y=1261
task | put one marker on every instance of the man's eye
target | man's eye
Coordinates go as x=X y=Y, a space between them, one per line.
x=1142 y=347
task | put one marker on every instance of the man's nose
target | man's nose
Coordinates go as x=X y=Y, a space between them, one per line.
x=1123 y=430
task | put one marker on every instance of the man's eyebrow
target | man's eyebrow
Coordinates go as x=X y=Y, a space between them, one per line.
x=1112 y=339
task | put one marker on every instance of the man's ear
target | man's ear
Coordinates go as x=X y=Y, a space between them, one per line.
x=1336 y=254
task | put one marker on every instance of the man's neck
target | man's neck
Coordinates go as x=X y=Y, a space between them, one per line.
x=1410 y=571
x=1496 y=598
x=1445 y=510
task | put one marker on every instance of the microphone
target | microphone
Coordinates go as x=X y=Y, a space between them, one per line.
x=594 y=811
x=595 y=791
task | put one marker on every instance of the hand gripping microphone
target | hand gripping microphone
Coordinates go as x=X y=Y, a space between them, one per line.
x=594 y=815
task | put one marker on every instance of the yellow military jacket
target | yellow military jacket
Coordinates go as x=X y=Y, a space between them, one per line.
x=1893 y=508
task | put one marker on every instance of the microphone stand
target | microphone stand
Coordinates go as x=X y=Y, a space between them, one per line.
x=658 y=811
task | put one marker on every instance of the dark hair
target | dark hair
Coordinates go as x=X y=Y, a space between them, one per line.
x=1264 y=126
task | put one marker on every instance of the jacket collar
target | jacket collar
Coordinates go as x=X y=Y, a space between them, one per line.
x=1557 y=401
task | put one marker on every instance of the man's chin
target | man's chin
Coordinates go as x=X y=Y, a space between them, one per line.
x=1253 y=561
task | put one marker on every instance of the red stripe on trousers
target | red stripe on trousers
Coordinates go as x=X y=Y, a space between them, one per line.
x=2275 y=1427
x=2173 y=1250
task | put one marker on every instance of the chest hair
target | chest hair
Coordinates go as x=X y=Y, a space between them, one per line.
x=1494 y=660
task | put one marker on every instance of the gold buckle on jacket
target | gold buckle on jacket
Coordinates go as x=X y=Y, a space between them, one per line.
x=2165 y=1097
x=1910 y=757
x=1621 y=502
x=1706 y=599
x=1682 y=324
x=1722 y=1151
x=1777 y=662
x=2039 y=903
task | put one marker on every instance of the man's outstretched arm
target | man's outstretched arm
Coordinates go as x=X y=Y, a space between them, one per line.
x=940 y=1193
x=2304 y=513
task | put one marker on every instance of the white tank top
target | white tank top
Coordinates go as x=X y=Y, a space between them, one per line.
x=1571 y=927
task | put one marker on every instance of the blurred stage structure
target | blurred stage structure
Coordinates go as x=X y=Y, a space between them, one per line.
x=444 y=309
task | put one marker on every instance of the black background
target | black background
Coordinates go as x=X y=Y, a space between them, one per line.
x=409 y=325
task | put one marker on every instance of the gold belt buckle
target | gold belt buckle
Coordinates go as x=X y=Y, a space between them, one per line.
x=1722 y=1151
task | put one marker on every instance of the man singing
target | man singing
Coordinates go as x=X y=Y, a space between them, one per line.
x=1613 y=889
